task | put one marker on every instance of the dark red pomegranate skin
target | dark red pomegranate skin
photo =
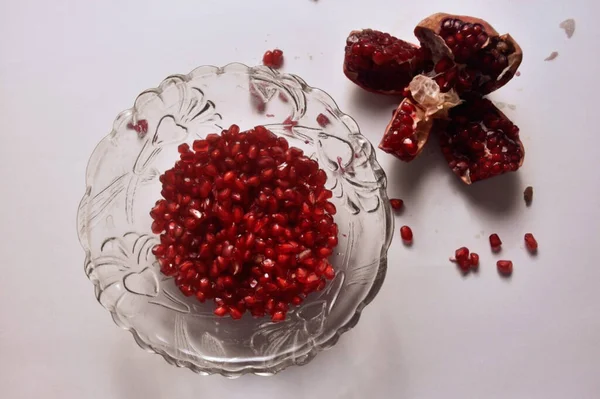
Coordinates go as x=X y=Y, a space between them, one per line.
x=245 y=221
x=380 y=62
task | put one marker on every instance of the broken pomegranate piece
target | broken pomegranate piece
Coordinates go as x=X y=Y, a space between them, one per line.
x=468 y=53
x=245 y=221
x=381 y=63
x=407 y=132
x=480 y=141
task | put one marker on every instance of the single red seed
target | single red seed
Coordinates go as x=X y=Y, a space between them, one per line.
x=221 y=311
x=474 y=258
x=323 y=120
x=396 y=203
x=278 y=316
x=461 y=254
x=531 y=242
x=495 y=242
x=505 y=267
x=406 y=234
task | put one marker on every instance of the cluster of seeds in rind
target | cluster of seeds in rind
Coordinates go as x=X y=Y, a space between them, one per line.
x=479 y=142
x=400 y=138
x=380 y=60
x=482 y=59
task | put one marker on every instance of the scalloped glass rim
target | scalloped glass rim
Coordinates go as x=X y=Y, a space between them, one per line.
x=280 y=362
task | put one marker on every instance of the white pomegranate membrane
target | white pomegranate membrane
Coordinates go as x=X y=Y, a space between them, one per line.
x=245 y=221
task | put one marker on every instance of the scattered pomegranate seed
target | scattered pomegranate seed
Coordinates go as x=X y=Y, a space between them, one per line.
x=141 y=127
x=531 y=242
x=505 y=267
x=474 y=260
x=396 y=203
x=461 y=257
x=406 y=234
x=273 y=59
x=289 y=123
x=495 y=242
x=245 y=221
x=461 y=253
x=323 y=120
x=528 y=195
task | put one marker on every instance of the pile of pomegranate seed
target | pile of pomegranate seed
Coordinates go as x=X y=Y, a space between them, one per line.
x=273 y=59
x=245 y=221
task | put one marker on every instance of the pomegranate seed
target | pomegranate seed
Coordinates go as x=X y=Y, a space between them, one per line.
x=396 y=203
x=495 y=242
x=323 y=120
x=273 y=59
x=241 y=212
x=221 y=311
x=461 y=254
x=505 y=267
x=278 y=316
x=406 y=234
x=474 y=258
x=531 y=242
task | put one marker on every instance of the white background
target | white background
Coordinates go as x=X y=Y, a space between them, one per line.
x=68 y=67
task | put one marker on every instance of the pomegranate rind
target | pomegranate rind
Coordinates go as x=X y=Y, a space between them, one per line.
x=428 y=32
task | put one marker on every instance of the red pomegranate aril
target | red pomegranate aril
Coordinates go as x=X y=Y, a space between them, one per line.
x=323 y=120
x=505 y=267
x=235 y=313
x=234 y=231
x=531 y=242
x=406 y=234
x=396 y=203
x=495 y=242
x=461 y=254
x=278 y=316
x=474 y=259
x=221 y=311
